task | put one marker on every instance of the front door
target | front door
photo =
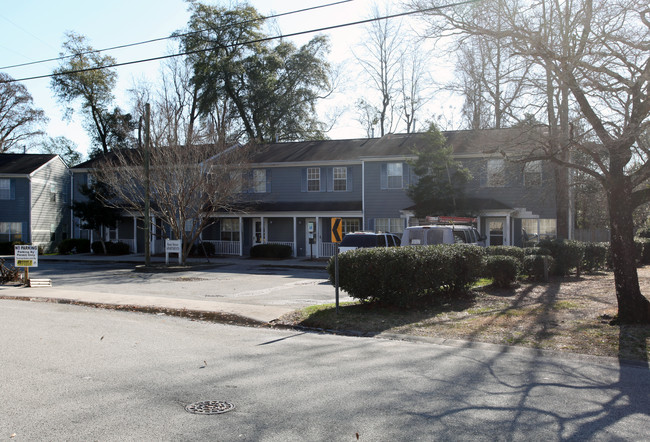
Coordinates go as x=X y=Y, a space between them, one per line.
x=495 y=231
x=311 y=235
x=258 y=233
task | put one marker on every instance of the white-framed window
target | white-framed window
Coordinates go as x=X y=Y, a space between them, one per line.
x=313 y=179
x=537 y=229
x=392 y=225
x=496 y=173
x=53 y=192
x=10 y=232
x=340 y=179
x=350 y=225
x=533 y=174
x=5 y=189
x=259 y=180
x=395 y=173
x=229 y=229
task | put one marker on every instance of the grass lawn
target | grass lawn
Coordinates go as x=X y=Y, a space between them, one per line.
x=567 y=314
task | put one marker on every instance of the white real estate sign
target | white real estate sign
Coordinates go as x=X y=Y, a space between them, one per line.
x=173 y=246
x=26 y=256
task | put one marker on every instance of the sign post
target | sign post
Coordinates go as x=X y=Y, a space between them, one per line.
x=25 y=256
x=173 y=246
x=337 y=236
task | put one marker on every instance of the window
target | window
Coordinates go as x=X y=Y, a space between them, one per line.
x=350 y=225
x=259 y=180
x=10 y=232
x=313 y=179
x=394 y=175
x=52 y=232
x=496 y=173
x=340 y=179
x=393 y=225
x=533 y=174
x=230 y=229
x=5 y=189
x=53 y=193
x=547 y=229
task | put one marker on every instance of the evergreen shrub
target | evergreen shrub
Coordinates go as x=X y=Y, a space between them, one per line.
x=595 y=256
x=567 y=255
x=503 y=269
x=74 y=245
x=514 y=251
x=407 y=276
x=537 y=267
x=280 y=251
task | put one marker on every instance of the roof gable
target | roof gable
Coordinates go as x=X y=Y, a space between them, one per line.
x=23 y=163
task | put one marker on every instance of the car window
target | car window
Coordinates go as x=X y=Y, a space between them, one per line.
x=396 y=240
x=358 y=241
x=459 y=236
x=381 y=240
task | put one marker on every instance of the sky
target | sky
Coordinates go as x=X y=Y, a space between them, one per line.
x=34 y=30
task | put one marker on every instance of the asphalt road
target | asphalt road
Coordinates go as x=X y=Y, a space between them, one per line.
x=76 y=373
x=244 y=282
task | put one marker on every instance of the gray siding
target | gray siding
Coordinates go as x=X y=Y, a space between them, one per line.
x=540 y=200
x=50 y=208
x=287 y=185
x=16 y=210
x=383 y=203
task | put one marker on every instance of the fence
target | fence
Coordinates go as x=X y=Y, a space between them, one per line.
x=592 y=235
x=225 y=247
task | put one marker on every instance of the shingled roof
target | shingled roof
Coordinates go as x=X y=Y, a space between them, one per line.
x=22 y=163
x=465 y=142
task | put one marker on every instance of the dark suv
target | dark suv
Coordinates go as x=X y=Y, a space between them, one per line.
x=359 y=240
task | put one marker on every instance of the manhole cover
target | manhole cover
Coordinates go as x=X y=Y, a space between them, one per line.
x=209 y=407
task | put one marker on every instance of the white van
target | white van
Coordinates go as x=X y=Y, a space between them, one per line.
x=441 y=234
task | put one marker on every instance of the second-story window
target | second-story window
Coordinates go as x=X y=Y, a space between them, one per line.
x=340 y=179
x=496 y=173
x=533 y=174
x=394 y=174
x=53 y=193
x=259 y=180
x=5 y=189
x=313 y=179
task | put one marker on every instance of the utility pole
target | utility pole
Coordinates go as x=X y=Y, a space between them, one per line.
x=147 y=217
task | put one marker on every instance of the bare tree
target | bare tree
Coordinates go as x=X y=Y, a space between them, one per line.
x=381 y=59
x=414 y=87
x=591 y=56
x=189 y=185
x=20 y=121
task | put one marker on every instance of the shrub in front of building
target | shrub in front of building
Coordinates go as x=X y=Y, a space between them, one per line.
x=279 y=251
x=408 y=276
x=503 y=269
x=74 y=245
x=514 y=251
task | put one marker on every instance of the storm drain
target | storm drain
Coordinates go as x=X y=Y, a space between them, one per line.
x=209 y=407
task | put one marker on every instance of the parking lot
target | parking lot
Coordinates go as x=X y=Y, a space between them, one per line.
x=234 y=281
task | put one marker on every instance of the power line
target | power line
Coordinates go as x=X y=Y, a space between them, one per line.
x=260 y=40
x=154 y=40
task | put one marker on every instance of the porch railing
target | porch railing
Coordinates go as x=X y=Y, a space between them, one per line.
x=327 y=249
x=224 y=247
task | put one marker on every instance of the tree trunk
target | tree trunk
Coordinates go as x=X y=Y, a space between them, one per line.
x=633 y=307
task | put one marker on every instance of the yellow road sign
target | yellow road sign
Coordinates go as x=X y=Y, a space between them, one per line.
x=337 y=230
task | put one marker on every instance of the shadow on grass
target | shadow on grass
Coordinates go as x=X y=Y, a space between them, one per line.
x=371 y=318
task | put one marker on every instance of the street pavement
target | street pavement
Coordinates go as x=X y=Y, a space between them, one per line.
x=78 y=374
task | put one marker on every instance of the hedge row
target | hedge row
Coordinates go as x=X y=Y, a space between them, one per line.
x=112 y=248
x=406 y=276
x=7 y=247
x=74 y=245
x=271 y=251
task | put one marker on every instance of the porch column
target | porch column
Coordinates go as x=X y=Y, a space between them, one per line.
x=263 y=239
x=152 y=234
x=318 y=235
x=295 y=237
x=135 y=234
x=241 y=236
x=506 y=231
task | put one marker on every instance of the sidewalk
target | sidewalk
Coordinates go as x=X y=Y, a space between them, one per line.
x=244 y=314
